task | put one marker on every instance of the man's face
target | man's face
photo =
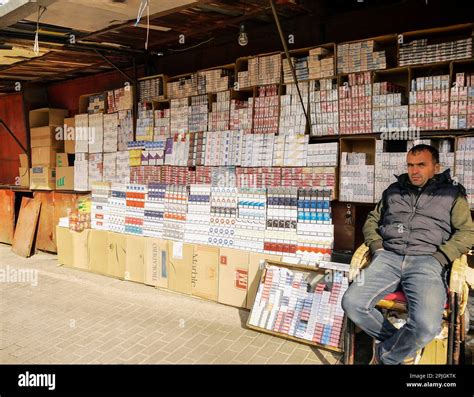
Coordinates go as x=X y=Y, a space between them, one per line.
x=421 y=167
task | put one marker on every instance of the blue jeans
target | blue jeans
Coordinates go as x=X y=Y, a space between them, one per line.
x=422 y=279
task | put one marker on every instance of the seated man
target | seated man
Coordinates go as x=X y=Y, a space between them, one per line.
x=421 y=224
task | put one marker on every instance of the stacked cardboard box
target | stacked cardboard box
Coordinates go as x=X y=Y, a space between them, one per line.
x=96 y=104
x=176 y=206
x=47 y=138
x=323 y=154
x=301 y=69
x=321 y=177
x=80 y=217
x=100 y=209
x=120 y=99
x=122 y=170
x=64 y=172
x=154 y=153
x=389 y=108
x=179 y=114
x=82 y=133
x=219 y=115
x=187 y=86
x=151 y=89
x=268 y=70
x=265 y=117
x=125 y=129
x=315 y=240
x=96 y=133
x=251 y=219
x=465 y=166
x=197 y=149
x=259 y=177
x=145 y=123
x=320 y=63
x=162 y=124
x=419 y=51
x=241 y=115
x=198 y=218
x=202 y=175
x=69 y=131
x=386 y=166
x=292 y=113
x=217 y=79
x=355 y=105
x=154 y=210
x=81 y=172
x=145 y=174
x=197 y=116
x=96 y=167
x=429 y=103
x=359 y=57
x=110 y=132
x=357 y=178
x=461 y=109
x=223 y=176
x=135 y=206
x=324 y=107
x=223 y=148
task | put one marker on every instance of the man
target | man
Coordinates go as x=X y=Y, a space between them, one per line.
x=421 y=224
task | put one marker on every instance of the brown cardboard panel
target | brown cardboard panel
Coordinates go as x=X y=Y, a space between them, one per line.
x=135 y=259
x=256 y=262
x=63 y=204
x=180 y=265
x=47 y=116
x=69 y=135
x=65 y=246
x=24 y=174
x=97 y=251
x=205 y=272
x=26 y=227
x=46 y=224
x=116 y=254
x=233 y=277
x=62 y=160
x=65 y=178
x=80 y=242
x=46 y=136
x=7 y=216
x=42 y=178
x=156 y=262
x=43 y=156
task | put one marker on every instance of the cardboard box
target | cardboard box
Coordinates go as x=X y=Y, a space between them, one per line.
x=156 y=262
x=42 y=178
x=97 y=251
x=65 y=178
x=69 y=135
x=116 y=254
x=24 y=174
x=80 y=243
x=180 y=266
x=256 y=264
x=47 y=116
x=233 y=277
x=46 y=136
x=205 y=272
x=65 y=246
x=43 y=157
x=24 y=160
x=135 y=259
x=62 y=160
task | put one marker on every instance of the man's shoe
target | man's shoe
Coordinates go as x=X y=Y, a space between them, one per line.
x=413 y=360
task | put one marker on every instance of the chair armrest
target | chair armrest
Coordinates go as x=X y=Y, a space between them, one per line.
x=361 y=258
x=458 y=275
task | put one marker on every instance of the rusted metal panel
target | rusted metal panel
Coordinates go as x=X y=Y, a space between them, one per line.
x=26 y=227
x=7 y=216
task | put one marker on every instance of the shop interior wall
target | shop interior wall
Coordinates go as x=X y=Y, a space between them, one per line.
x=11 y=112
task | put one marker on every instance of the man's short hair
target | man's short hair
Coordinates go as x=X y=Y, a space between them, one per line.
x=422 y=147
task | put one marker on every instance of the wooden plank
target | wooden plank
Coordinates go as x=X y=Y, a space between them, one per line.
x=7 y=216
x=46 y=228
x=26 y=227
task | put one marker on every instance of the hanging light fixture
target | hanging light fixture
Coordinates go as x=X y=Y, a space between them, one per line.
x=243 y=39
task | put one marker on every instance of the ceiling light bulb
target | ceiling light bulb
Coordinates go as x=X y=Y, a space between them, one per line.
x=243 y=39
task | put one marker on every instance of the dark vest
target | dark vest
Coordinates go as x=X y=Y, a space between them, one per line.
x=416 y=221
